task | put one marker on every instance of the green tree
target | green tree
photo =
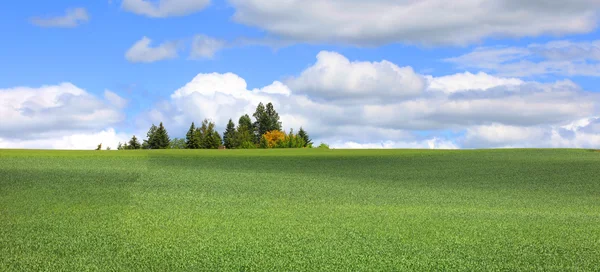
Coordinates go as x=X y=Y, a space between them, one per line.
x=229 y=135
x=260 y=125
x=162 y=137
x=134 y=143
x=267 y=119
x=303 y=135
x=120 y=146
x=244 y=136
x=177 y=143
x=99 y=147
x=191 y=140
x=150 y=142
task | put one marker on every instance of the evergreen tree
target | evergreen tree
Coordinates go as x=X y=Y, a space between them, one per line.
x=161 y=138
x=244 y=136
x=191 y=141
x=307 y=142
x=272 y=118
x=150 y=142
x=261 y=123
x=120 y=146
x=229 y=135
x=134 y=143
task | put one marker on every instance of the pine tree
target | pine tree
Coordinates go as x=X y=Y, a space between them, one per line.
x=244 y=136
x=161 y=138
x=272 y=118
x=261 y=123
x=229 y=135
x=150 y=142
x=191 y=141
x=307 y=142
x=134 y=143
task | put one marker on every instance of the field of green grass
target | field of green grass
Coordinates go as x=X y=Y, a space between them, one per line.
x=280 y=210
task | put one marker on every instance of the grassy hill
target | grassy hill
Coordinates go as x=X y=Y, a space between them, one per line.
x=247 y=210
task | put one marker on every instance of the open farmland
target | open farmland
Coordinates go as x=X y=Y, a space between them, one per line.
x=248 y=210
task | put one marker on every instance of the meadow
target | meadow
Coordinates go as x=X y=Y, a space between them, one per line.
x=305 y=209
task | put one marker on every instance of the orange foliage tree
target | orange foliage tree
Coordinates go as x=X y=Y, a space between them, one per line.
x=274 y=137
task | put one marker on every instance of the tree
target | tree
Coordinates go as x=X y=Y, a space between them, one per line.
x=99 y=147
x=244 y=136
x=134 y=143
x=162 y=137
x=120 y=146
x=150 y=142
x=274 y=138
x=272 y=117
x=305 y=138
x=177 y=143
x=108 y=148
x=267 y=119
x=191 y=140
x=229 y=135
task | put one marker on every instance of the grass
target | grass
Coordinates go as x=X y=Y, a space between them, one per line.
x=297 y=210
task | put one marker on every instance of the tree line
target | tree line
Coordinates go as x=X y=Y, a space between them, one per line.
x=264 y=132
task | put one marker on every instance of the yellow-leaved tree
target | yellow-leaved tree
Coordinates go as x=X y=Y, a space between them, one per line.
x=273 y=137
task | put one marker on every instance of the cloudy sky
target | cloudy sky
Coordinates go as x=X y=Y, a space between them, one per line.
x=355 y=74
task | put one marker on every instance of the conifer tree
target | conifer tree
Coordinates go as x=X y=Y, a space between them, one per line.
x=229 y=135
x=162 y=137
x=134 y=143
x=191 y=141
x=150 y=142
x=302 y=134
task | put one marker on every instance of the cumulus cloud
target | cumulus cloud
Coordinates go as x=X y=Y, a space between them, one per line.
x=50 y=112
x=423 y=22
x=205 y=47
x=334 y=77
x=503 y=136
x=553 y=58
x=164 y=8
x=476 y=104
x=142 y=51
x=86 y=141
x=73 y=17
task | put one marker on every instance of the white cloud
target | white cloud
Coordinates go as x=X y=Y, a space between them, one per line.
x=164 y=8
x=423 y=22
x=141 y=51
x=73 y=17
x=204 y=47
x=461 y=103
x=468 y=82
x=433 y=143
x=502 y=136
x=82 y=141
x=55 y=111
x=334 y=77
x=552 y=58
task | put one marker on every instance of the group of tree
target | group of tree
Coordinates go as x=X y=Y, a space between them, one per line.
x=264 y=132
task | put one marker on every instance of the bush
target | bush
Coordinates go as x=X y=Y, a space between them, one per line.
x=323 y=146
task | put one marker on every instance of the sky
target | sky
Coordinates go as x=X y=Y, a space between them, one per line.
x=353 y=74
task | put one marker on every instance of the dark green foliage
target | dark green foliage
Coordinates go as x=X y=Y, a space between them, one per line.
x=244 y=136
x=99 y=147
x=191 y=140
x=134 y=143
x=177 y=143
x=120 y=146
x=307 y=142
x=162 y=137
x=207 y=136
x=300 y=210
x=150 y=142
x=267 y=119
x=229 y=135
x=264 y=143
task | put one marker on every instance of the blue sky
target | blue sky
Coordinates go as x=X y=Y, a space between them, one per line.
x=488 y=73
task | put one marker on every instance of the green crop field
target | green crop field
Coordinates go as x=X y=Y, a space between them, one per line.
x=281 y=210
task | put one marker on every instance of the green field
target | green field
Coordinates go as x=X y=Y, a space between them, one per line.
x=279 y=210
